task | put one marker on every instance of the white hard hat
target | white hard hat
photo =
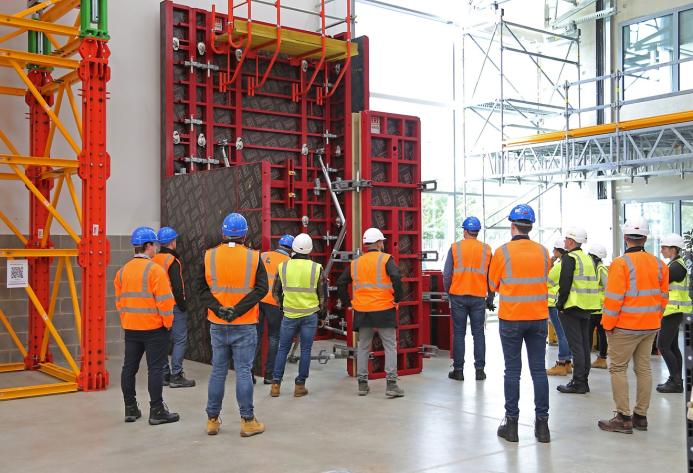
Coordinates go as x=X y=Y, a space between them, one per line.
x=597 y=250
x=560 y=244
x=673 y=239
x=372 y=235
x=637 y=226
x=302 y=244
x=577 y=234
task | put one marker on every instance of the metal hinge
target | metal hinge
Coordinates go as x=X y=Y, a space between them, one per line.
x=341 y=185
x=345 y=256
x=193 y=121
x=201 y=65
x=428 y=186
x=434 y=296
x=429 y=255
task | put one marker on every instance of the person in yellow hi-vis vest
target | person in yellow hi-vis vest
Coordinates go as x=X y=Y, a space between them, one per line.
x=564 y=365
x=300 y=290
x=598 y=253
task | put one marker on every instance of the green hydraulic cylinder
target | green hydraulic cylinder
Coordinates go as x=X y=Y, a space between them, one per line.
x=94 y=19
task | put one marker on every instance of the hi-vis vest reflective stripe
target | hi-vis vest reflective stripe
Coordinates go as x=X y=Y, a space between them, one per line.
x=230 y=273
x=272 y=260
x=603 y=277
x=584 y=292
x=165 y=260
x=299 y=279
x=143 y=296
x=554 y=276
x=470 y=262
x=679 y=297
x=372 y=287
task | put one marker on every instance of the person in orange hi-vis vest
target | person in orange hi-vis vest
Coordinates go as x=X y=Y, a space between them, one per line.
x=519 y=274
x=232 y=284
x=637 y=292
x=169 y=259
x=145 y=302
x=377 y=288
x=465 y=277
x=269 y=308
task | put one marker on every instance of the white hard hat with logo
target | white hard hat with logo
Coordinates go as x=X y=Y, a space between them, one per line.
x=637 y=226
x=576 y=234
x=302 y=244
x=372 y=235
x=597 y=250
x=673 y=239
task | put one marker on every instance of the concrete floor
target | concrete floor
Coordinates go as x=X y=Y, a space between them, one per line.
x=440 y=426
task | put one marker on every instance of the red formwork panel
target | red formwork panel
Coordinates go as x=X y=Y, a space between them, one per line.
x=390 y=157
x=437 y=310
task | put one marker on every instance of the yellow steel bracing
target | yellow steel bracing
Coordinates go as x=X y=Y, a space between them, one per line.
x=60 y=9
x=8 y=143
x=37 y=252
x=37 y=390
x=75 y=111
x=28 y=24
x=66 y=80
x=73 y=195
x=16 y=91
x=57 y=372
x=9 y=36
x=8 y=57
x=51 y=133
x=12 y=333
x=54 y=203
x=73 y=296
x=38 y=161
x=12 y=227
x=35 y=8
x=9 y=367
x=51 y=305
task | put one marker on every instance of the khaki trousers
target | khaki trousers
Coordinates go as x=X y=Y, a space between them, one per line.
x=622 y=348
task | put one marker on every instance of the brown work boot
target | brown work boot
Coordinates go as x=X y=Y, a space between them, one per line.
x=600 y=363
x=639 y=422
x=250 y=427
x=213 y=425
x=619 y=423
x=559 y=369
x=300 y=390
x=274 y=390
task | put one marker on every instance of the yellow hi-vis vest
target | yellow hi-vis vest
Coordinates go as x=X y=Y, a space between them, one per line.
x=299 y=279
x=584 y=292
x=602 y=277
x=679 y=297
x=554 y=276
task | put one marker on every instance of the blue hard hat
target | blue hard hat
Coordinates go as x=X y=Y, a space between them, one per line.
x=522 y=212
x=166 y=235
x=471 y=224
x=286 y=241
x=234 y=226
x=142 y=235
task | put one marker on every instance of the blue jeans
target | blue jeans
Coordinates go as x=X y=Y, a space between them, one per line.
x=239 y=342
x=179 y=337
x=533 y=333
x=306 y=328
x=474 y=308
x=563 y=347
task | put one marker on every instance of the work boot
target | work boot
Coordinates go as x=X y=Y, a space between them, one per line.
x=213 y=425
x=619 y=423
x=573 y=387
x=665 y=382
x=274 y=390
x=600 y=363
x=392 y=390
x=167 y=379
x=508 y=429
x=559 y=369
x=541 y=429
x=480 y=375
x=300 y=390
x=250 y=427
x=363 y=388
x=161 y=415
x=132 y=413
x=671 y=386
x=180 y=381
x=457 y=375
x=639 y=422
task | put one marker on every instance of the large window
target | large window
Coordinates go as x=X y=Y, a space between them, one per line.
x=686 y=49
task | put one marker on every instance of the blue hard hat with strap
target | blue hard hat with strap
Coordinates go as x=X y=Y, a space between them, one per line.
x=471 y=224
x=142 y=235
x=234 y=226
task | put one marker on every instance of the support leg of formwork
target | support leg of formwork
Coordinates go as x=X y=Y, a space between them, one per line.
x=94 y=170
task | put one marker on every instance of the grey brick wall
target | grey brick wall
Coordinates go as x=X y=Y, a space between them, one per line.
x=14 y=302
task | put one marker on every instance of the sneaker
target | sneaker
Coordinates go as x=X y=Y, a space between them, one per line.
x=508 y=429
x=180 y=381
x=363 y=388
x=619 y=423
x=541 y=429
x=213 y=425
x=161 y=415
x=457 y=375
x=639 y=422
x=274 y=390
x=480 y=374
x=132 y=413
x=250 y=427
x=300 y=390
x=600 y=363
x=559 y=369
x=392 y=390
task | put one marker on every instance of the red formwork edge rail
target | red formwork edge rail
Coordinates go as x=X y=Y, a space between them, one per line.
x=439 y=329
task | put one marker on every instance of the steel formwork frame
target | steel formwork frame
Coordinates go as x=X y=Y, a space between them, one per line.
x=45 y=175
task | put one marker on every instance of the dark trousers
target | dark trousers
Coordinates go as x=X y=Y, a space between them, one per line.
x=533 y=334
x=577 y=331
x=474 y=309
x=273 y=315
x=155 y=344
x=596 y=322
x=668 y=344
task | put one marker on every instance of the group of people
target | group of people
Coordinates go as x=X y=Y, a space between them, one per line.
x=632 y=302
x=241 y=289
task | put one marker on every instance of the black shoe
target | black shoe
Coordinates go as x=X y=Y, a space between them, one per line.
x=639 y=422
x=573 y=387
x=167 y=379
x=665 y=382
x=457 y=375
x=671 y=386
x=480 y=375
x=541 y=429
x=161 y=415
x=132 y=413
x=180 y=381
x=508 y=429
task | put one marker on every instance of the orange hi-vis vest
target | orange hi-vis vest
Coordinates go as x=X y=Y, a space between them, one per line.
x=165 y=260
x=230 y=273
x=519 y=273
x=272 y=260
x=143 y=295
x=470 y=268
x=372 y=287
x=637 y=292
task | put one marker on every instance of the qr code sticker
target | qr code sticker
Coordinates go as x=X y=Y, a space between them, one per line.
x=17 y=272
